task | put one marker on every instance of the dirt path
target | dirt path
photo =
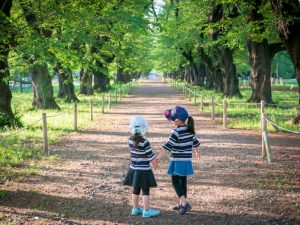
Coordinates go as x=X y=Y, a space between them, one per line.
x=231 y=186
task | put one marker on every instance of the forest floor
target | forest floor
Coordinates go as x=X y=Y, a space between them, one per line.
x=232 y=185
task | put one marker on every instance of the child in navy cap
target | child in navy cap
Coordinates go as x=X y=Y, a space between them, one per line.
x=180 y=144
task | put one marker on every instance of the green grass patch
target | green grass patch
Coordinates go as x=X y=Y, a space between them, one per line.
x=18 y=147
x=2 y=195
x=247 y=116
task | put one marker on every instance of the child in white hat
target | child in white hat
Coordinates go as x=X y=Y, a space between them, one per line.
x=140 y=176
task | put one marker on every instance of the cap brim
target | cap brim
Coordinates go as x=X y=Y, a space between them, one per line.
x=168 y=115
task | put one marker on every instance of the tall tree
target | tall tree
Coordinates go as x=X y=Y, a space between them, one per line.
x=43 y=97
x=65 y=81
x=5 y=34
x=260 y=55
x=288 y=26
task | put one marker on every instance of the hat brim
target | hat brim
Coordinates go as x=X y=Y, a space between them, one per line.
x=169 y=115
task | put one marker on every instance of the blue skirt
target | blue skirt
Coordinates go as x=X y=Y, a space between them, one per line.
x=180 y=168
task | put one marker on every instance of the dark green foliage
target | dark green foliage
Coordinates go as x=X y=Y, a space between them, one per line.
x=283 y=64
x=7 y=121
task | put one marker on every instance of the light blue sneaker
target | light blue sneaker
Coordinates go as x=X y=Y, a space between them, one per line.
x=150 y=212
x=136 y=212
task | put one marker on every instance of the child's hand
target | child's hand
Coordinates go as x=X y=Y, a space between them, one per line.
x=155 y=163
x=197 y=154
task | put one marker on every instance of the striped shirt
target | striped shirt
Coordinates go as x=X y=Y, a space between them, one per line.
x=140 y=157
x=181 y=143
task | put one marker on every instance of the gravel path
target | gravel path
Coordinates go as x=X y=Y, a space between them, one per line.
x=232 y=185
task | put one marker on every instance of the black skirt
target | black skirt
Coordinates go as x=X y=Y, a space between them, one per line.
x=140 y=178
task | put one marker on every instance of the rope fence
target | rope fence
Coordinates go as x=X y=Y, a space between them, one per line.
x=192 y=95
x=106 y=99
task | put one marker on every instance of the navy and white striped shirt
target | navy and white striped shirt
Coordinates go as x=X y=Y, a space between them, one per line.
x=140 y=157
x=181 y=143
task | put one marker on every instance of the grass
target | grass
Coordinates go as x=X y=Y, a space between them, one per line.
x=247 y=116
x=22 y=148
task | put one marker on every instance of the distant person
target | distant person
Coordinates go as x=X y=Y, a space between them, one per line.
x=180 y=144
x=140 y=175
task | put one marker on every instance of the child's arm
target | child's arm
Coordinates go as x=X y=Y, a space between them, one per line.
x=197 y=153
x=161 y=153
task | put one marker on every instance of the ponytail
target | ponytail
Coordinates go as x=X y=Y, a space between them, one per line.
x=136 y=139
x=190 y=125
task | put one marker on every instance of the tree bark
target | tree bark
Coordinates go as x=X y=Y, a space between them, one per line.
x=101 y=80
x=218 y=79
x=121 y=76
x=86 y=82
x=41 y=80
x=230 y=80
x=66 y=86
x=288 y=24
x=5 y=93
x=260 y=64
x=42 y=88
x=186 y=74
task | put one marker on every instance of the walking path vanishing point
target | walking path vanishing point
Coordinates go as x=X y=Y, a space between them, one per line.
x=231 y=186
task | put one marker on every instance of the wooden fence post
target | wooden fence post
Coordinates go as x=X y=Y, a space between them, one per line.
x=262 y=128
x=266 y=149
x=91 y=110
x=212 y=107
x=224 y=114
x=120 y=94
x=116 y=95
x=102 y=104
x=75 y=115
x=190 y=95
x=195 y=99
x=45 y=138
x=262 y=124
x=109 y=100
x=201 y=102
x=262 y=110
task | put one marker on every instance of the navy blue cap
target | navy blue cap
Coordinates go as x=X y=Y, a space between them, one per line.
x=179 y=113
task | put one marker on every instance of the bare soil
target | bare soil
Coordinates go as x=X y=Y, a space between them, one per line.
x=232 y=185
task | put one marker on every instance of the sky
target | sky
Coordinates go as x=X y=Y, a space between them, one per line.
x=158 y=5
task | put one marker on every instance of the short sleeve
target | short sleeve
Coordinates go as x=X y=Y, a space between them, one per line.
x=173 y=138
x=196 y=143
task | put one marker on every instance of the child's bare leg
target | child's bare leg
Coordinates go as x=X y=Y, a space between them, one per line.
x=182 y=200
x=146 y=201
x=135 y=201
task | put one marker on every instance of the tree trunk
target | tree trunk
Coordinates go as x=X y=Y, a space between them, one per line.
x=101 y=80
x=208 y=69
x=218 y=79
x=86 y=82
x=187 y=74
x=121 y=76
x=230 y=80
x=288 y=25
x=260 y=58
x=66 y=86
x=202 y=74
x=5 y=93
x=42 y=88
x=260 y=64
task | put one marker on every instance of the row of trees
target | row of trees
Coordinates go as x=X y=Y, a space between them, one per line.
x=47 y=37
x=204 y=42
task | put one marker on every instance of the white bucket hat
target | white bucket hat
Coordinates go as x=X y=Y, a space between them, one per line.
x=138 y=125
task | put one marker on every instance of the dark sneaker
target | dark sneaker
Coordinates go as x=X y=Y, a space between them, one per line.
x=185 y=208
x=176 y=207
